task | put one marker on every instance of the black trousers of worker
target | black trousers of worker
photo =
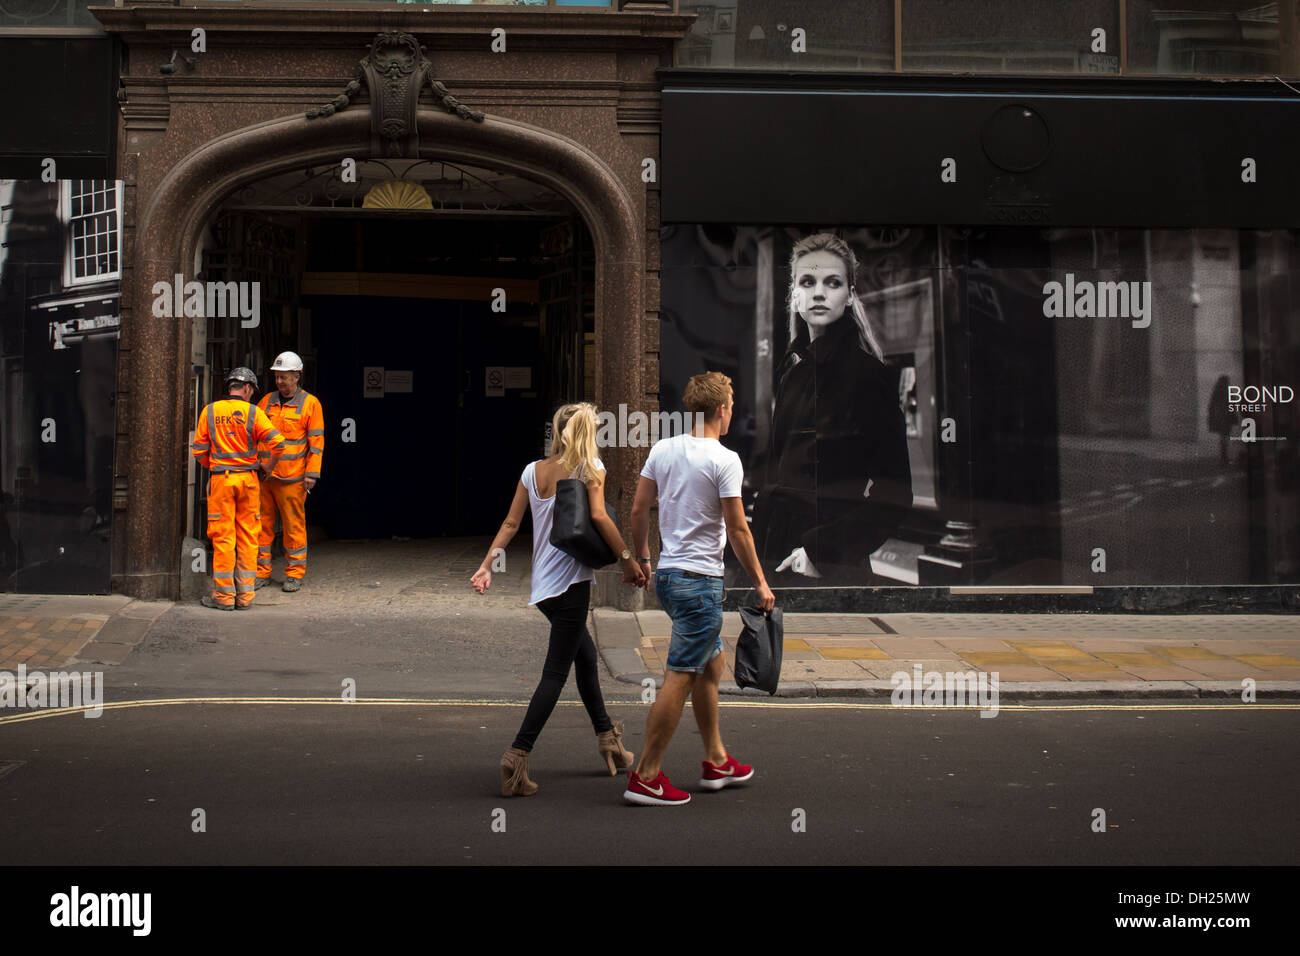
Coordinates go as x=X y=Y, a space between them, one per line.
x=571 y=644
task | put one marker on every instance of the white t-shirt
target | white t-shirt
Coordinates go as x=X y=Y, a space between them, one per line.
x=692 y=475
x=554 y=572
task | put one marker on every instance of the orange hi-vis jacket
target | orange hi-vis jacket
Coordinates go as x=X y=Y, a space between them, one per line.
x=301 y=421
x=228 y=433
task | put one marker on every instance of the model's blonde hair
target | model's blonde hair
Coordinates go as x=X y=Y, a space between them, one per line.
x=573 y=438
x=829 y=242
x=705 y=392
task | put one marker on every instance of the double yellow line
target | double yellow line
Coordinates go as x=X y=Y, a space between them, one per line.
x=42 y=713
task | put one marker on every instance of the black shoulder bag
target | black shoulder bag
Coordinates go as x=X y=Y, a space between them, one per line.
x=572 y=530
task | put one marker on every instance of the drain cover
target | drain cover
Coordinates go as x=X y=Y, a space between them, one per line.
x=8 y=765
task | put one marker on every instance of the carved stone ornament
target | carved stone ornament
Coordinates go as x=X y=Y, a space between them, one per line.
x=395 y=71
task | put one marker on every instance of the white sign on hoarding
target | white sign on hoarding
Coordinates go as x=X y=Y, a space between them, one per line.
x=395 y=381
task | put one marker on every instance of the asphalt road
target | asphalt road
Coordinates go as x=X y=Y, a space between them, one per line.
x=414 y=780
x=416 y=783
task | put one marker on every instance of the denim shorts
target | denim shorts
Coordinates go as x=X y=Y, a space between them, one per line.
x=694 y=603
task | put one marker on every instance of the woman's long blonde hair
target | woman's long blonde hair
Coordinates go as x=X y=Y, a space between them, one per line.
x=573 y=438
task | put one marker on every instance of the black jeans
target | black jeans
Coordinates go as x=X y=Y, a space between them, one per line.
x=571 y=644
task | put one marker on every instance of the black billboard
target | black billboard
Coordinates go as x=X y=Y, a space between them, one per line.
x=1000 y=332
x=998 y=406
x=752 y=149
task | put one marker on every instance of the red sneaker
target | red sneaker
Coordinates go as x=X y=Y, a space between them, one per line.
x=658 y=793
x=715 y=778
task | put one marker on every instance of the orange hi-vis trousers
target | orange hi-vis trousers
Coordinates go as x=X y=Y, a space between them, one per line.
x=233 y=523
x=289 y=499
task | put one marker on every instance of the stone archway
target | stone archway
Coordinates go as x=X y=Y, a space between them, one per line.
x=168 y=223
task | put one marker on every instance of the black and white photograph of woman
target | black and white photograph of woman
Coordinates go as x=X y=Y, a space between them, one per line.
x=838 y=477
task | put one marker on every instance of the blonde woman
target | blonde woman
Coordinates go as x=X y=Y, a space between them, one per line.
x=562 y=591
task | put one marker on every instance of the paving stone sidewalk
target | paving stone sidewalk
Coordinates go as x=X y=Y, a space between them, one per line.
x=825 y=655
x=46 y=632
x=1034 y=655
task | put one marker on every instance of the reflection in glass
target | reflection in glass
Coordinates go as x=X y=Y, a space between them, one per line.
x=17 y=14
x=499 y=3
x=1011 y=36
x=58 y=379
x=1238 y=37
x=761 y=34
x=92 y=221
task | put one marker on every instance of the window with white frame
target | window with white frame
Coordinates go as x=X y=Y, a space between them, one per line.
x=90 y=208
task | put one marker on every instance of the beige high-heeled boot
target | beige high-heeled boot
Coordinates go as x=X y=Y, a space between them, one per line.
x=514 y=774
x=610 y=746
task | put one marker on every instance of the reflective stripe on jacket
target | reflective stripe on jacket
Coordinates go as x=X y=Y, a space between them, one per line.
x=301 y=421
x=228 y=433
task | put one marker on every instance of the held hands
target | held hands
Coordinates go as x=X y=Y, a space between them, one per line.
x=482 y=580
x=634 y=573
x=799 y=562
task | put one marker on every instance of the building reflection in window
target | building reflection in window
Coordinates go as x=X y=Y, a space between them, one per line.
x=1237 y=37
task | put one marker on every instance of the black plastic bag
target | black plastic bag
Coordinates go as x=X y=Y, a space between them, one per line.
x=758 y=650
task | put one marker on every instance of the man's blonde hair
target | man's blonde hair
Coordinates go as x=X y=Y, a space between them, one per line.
x=705 y=392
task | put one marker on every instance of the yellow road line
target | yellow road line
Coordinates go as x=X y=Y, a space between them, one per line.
x=39 y=714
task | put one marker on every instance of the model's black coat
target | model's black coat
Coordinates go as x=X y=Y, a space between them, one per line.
x=837 y=431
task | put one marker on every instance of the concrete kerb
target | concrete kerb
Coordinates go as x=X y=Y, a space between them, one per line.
x=122 y=632
x=620 y=636
x=617 y=634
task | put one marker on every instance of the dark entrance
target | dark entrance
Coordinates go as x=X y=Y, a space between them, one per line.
x=439 y=344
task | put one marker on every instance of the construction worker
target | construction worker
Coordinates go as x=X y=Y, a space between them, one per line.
x=225 y=442
x=297 y=415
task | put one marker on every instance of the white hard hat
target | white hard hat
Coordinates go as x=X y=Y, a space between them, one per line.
x=287 y=362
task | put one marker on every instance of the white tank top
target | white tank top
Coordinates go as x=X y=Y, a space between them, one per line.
x=554 y=572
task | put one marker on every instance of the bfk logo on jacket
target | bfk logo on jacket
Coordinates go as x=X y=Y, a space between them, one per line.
x=234 y=418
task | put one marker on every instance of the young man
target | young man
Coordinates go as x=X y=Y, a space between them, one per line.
x=225 y=442
x=697 y=483
x=297 y=414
